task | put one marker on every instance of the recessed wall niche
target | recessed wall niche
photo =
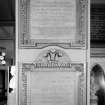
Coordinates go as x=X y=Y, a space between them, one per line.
x=96 y=68
x=61 y=25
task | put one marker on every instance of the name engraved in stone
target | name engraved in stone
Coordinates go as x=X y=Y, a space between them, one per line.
x=52 y=19
x=53 y=88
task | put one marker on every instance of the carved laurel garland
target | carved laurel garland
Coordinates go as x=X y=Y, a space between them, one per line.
x=26 y=42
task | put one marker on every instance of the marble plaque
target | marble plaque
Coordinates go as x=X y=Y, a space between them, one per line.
x=53 y=19
x=53 y=22
x=53 y=88
x=52 y=84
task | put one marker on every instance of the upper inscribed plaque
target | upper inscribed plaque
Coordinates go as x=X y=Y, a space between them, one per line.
x=52 y=22
x=53 y=19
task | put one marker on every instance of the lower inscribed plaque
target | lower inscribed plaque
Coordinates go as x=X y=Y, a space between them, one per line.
x=53 y=88
x=52 y=80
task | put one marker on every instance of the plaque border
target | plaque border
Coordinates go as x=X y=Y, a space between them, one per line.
x=52 y=60
x=23 y=28
x=93 y=97
x=30 y=67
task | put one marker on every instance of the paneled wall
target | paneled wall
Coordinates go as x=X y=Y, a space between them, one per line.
x=52 y=36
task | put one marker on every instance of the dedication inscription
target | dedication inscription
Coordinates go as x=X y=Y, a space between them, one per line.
x=53 y=22
x=53 y=19
x=53 y=88
x=53 y=85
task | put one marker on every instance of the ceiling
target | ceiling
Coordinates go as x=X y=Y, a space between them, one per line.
x=7 y=12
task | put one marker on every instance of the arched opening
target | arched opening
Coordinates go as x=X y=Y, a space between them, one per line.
x=97 y=85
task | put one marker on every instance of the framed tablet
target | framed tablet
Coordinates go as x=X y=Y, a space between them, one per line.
x=50 y=86
x=53 y=23
x=52 y=79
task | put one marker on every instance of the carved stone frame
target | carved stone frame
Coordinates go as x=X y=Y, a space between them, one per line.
x=30 y=67
x=24 y=37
